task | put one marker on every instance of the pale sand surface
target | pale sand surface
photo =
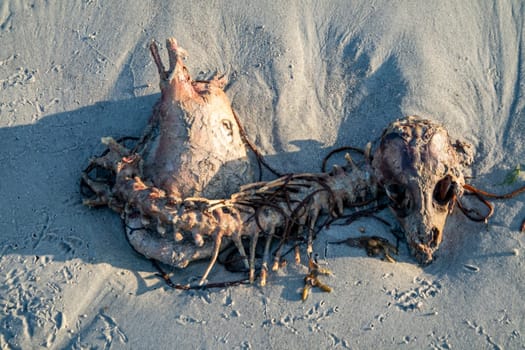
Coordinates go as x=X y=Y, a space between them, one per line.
x=306 y=77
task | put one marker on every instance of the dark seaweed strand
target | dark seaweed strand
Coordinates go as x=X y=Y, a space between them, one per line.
x=492 y=195
x=300 y=209
x=253 y=148
x=369 y=212
x=290 y=219
x=468 y=212
x=482 y=193
x=162 y=274
x=481 y=196
x=296 y=214
x=339 y=150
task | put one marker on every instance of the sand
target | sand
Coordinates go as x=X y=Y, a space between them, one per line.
x=306 y=76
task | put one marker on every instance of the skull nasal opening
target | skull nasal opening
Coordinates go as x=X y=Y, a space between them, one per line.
x=435 y=237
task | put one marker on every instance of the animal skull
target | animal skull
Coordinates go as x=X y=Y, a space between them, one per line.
x=421 y=172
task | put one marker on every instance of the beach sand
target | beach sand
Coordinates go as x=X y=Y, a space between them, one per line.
x=305 y=77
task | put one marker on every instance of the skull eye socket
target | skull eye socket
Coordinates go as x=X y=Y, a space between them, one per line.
x=399 y=201
x=445 y=190
x=395 y=192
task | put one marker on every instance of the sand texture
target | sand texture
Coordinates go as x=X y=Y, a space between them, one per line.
x=305 y=77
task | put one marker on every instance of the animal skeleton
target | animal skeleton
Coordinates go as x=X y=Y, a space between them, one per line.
x=185 y=190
